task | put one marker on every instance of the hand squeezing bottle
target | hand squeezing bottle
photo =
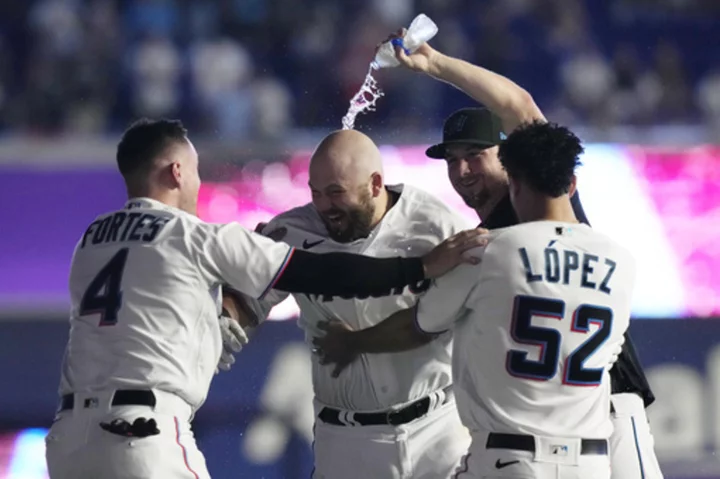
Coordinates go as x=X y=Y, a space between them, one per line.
x=421 y=30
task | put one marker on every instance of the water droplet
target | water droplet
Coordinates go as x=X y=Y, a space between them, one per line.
x=364 y=100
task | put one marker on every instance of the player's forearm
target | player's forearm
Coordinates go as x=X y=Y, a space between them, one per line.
x=395 y=334
x=348 y=275
x=249 y=312
x=513 y=104
x=235 y=303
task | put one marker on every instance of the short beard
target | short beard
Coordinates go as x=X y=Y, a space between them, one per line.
x=479 y=200
x=359 y=221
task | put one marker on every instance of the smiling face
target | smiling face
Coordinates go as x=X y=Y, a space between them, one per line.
x=345 y=206
x=476 y=173
x=347 y=185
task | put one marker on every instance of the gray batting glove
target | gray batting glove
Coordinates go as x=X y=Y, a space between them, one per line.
x=233 y=338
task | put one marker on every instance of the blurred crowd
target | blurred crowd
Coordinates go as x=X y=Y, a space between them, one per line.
x=253 y=69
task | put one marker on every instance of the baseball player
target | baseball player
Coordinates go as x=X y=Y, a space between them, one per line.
x=470 y=146
x=537 y=325
x=145 y=285
x=392 y=416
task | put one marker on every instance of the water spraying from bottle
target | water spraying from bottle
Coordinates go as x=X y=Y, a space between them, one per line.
x=364 y=100
x=420 y=31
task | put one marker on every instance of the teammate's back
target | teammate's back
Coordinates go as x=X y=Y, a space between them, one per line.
x=546 y=319
x=138 y=294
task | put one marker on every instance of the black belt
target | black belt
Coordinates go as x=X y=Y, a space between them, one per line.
x=393 y=418
x=122 y=397
x=520 y=442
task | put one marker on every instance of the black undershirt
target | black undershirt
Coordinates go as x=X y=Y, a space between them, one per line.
x=626 y=375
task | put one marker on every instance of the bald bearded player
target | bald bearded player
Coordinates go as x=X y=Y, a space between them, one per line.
x=389 y=416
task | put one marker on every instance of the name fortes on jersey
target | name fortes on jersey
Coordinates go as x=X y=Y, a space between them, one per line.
x=124 y=226
x=417 y=288
x=561 y=266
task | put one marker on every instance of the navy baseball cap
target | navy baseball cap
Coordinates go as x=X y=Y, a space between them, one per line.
x=477 y=126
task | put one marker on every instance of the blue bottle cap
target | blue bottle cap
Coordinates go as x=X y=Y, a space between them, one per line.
x=398 y=42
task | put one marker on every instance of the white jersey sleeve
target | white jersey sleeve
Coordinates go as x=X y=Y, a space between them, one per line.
x=247 y=261
x=272 y=297
x=442 y=304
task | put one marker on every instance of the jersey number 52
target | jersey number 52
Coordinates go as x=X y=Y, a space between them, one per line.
x=103 y=295
x=549 y=339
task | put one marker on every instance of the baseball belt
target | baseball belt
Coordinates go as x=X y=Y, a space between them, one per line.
x=398 y=417
x=521 y=442
x=122 y=397
x=140 y=427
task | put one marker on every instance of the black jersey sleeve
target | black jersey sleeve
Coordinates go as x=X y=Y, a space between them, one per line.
x=627 y=375
x=348 y=275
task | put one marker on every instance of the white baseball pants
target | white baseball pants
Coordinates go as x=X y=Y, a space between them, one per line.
x=77 y=448
x=554 y=458
x=632 y=444
x=429 y=447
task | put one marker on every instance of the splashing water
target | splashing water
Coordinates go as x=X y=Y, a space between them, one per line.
x=364 y=99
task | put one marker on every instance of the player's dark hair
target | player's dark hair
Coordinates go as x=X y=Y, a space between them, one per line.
x=543 y=155
x=144 y=140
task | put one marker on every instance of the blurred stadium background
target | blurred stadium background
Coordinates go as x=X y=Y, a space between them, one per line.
x=260 y=81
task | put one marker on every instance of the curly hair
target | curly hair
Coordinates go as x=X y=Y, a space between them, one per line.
x=543 y=155
x=144 y=140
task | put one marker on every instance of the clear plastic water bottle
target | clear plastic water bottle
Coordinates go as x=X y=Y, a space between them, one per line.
x=421 y=30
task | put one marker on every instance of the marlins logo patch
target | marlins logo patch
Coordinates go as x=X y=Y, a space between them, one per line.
x=459 y=124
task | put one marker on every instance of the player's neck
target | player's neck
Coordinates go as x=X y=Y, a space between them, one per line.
x=485 y=210
x=543 y=209
x=163 y=197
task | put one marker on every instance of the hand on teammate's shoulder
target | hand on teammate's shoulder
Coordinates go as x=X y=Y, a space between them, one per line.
x=452 y=252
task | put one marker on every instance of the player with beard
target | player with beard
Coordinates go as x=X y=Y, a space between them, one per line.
x=470 y=148
x=347 y=222
x=392 y=416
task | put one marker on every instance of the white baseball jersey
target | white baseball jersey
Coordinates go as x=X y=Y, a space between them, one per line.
x=537 y=325
x=145 y=290
x=413 y=226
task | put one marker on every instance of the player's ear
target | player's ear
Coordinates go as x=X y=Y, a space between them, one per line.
x=176 y=173
x=573 y=186
x=376 y=184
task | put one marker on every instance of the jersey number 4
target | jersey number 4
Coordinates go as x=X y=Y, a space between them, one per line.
x=574 y=372
x=103 y=295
